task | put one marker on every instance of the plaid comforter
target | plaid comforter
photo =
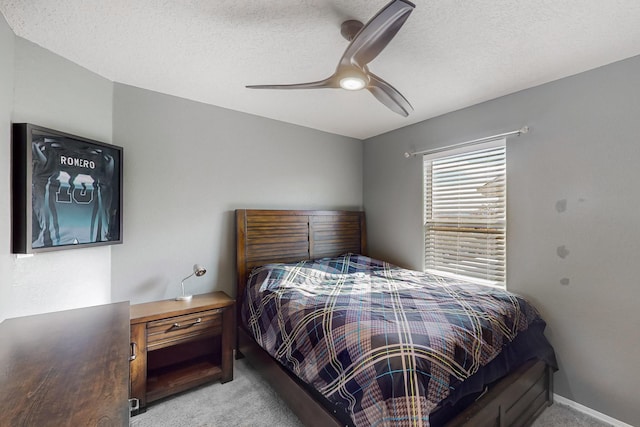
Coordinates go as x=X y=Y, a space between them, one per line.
x=384 y=343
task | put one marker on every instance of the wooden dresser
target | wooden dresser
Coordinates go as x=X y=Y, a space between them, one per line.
x=68 y=368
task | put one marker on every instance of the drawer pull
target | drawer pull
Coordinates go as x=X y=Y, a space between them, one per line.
x=178 y=326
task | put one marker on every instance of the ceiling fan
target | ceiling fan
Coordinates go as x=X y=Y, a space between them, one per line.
x=366 y=43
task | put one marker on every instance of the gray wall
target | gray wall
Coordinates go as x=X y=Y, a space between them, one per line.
x=51 y=91
x=7 y=45
x=572 y=185
x=189 y=165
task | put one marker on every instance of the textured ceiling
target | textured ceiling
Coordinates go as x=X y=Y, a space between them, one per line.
x=449 y=55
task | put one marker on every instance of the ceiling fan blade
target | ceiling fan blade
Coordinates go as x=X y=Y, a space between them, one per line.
x=330 y=83
x=376 y=34
x=389 y=95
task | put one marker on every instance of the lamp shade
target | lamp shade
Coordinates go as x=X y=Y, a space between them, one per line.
x=199 y=270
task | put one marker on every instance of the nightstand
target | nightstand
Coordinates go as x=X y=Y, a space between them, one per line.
x=177 y=345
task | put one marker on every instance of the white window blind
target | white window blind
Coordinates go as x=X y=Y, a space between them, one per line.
x=465 y=213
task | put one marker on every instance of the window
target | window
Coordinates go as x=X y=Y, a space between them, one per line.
x=465 y=213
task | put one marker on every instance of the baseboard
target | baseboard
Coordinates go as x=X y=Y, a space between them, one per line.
x=591 y=412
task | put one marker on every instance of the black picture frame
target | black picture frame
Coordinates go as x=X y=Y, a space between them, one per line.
x=66 y=190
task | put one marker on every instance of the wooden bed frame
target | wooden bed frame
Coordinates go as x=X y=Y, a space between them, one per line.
x=266 y=236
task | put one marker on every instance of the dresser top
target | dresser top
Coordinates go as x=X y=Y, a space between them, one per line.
x=68 y=368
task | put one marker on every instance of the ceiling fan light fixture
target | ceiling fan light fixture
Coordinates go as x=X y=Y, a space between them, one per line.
x=352 y=83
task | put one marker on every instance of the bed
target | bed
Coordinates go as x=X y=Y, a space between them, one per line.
x=507 y=382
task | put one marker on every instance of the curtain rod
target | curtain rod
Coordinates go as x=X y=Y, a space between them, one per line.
x=518 y=132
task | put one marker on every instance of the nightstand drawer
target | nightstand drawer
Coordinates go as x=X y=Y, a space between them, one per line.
x=189 y=327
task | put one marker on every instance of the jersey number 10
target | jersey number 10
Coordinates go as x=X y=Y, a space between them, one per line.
x=80 y=191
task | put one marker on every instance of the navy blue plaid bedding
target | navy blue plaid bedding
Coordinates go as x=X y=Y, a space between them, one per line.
x=385 y=344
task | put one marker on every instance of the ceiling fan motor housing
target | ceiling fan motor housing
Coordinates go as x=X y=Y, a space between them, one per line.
x=350 y=28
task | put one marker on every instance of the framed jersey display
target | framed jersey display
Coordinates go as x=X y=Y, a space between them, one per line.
x=66 y=191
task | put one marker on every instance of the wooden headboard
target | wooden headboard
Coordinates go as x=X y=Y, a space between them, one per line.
x=267 y=236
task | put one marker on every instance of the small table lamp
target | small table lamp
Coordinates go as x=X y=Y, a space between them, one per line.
x=198 y=271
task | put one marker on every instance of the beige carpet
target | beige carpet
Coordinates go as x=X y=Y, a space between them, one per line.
x=560 y=415
x=248 y=401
